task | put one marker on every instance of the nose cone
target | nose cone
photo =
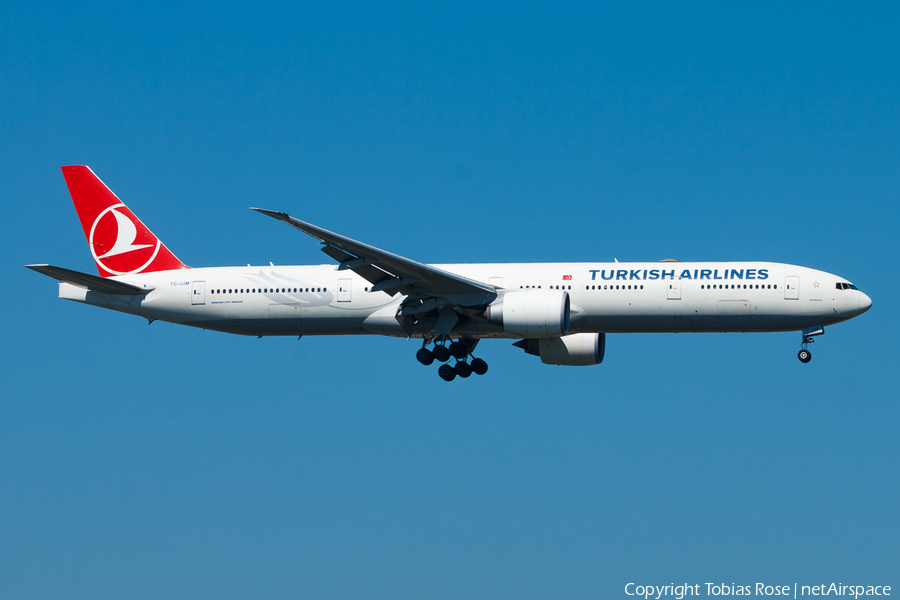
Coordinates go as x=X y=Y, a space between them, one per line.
x=865 y=303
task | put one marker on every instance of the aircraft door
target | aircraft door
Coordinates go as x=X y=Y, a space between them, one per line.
x=791 y=288
x=673 y=289
x=344 y=290
x=198 y=292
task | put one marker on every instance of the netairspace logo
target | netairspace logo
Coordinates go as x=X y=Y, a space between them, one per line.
x=679 y=592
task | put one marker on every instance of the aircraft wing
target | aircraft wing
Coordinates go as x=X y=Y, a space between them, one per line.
x=91 y=282
x=389 y=272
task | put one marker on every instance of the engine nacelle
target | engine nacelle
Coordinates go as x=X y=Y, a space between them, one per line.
x=531 y=313
x=576 y=350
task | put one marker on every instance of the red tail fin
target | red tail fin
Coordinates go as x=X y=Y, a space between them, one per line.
x=119 y=242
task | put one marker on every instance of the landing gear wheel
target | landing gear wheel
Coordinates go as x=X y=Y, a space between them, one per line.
x=425 y=356
x=463 y=369
x=804 y=355
x=441 y=353
x=479 y=367
x=446 y=372
x=458 y=350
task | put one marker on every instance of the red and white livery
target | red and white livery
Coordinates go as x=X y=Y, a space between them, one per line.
x=560 y=312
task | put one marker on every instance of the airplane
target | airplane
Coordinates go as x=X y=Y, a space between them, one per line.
x=560 y=312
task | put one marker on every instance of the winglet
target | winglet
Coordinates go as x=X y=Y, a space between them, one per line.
x=281 y=216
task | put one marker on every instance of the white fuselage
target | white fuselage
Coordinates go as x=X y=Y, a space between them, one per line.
x=605 y=298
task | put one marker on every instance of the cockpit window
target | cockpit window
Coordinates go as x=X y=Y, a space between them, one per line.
x=845 y=286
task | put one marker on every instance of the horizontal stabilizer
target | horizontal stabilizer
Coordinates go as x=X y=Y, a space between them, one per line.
x=91 y=282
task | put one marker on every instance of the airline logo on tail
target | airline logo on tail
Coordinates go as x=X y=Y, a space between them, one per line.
x=113 y=233
x=120 y=243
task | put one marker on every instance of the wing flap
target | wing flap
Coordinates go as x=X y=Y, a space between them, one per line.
x=360 y=266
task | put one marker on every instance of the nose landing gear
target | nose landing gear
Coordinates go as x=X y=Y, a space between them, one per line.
x=459 y=350
x=805 y=355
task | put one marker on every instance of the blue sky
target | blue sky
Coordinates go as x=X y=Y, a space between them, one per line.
x=146 y=462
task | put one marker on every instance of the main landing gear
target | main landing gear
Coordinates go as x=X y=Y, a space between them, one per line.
x=805 y=355
x=459 y=351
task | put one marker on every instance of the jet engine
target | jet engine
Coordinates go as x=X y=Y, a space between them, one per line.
x=532 y=313
x=576 y=350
